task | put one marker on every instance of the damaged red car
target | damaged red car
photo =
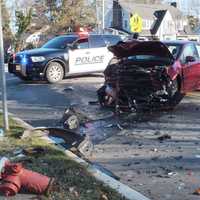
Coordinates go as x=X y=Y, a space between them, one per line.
x=150 y=74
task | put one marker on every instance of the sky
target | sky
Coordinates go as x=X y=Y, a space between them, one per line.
x=189 y=7
x=11 y=5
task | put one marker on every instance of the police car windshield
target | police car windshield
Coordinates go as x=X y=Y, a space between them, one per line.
x=60 y=42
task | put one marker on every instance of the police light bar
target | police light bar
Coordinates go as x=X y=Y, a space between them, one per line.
x=82 y=32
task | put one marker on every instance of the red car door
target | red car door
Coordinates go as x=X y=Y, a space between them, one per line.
x=190 y=67
x=198 y=68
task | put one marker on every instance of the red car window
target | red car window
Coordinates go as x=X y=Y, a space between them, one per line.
x=189 y=50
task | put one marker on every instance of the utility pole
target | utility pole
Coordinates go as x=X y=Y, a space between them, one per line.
x=103 y=14
x=3 y=78
x=97 y=15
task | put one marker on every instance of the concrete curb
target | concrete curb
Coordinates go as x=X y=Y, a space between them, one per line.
x=121 y=188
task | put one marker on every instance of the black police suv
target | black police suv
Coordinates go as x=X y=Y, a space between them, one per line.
x=63 y=56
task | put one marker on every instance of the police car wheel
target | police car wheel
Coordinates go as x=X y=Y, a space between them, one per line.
x=54 y=72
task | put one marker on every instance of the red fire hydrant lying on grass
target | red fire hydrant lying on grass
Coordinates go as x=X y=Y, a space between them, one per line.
x=16 y=177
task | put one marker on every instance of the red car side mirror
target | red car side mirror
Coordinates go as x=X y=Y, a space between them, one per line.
x=190 y=59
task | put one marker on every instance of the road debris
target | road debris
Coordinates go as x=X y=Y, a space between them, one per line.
x=172 y=174
x=68 y=137
x=71 y=121
x=70 y=88
x=164 y=137
x=120 y=127
x=73 y=118
x=93 y=102
x=109 y=126
x=157 y=133
x=178 y=157
x=181 y=186
x=155 y=150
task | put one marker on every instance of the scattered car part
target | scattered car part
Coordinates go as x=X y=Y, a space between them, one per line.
x=164 y=137
x=70 y=120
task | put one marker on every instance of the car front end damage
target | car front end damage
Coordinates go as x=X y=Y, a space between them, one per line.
x=138 y=79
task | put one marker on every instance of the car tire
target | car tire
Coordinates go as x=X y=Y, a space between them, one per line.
x=54 y=72
x=176 y=95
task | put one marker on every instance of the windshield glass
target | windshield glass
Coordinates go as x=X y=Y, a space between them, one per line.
x=148 y=58
x=174 y=49
x=60 y=42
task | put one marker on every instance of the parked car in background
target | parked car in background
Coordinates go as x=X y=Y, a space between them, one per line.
x=150 y=74
x=64 y=56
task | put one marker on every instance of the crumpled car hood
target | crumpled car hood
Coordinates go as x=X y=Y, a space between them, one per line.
x=133 y=48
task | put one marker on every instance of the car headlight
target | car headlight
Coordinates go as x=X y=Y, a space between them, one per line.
x=37 y=58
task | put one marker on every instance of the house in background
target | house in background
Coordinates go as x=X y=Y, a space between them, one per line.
x=161 y=20
x=188 y=7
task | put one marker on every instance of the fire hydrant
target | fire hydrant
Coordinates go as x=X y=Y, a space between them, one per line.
x=16 y=177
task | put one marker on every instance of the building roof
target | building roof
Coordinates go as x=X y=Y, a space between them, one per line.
x=147 y=10
x=160 y=14
x=141 y=9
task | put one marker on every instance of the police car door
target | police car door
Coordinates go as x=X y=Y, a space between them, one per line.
x=89 y=57
x=100 y=55
x=79 y=57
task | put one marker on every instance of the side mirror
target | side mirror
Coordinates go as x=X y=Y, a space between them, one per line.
x=71 y=46
x=190 y=59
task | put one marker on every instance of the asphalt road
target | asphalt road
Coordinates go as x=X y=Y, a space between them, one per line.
x=168 y=169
